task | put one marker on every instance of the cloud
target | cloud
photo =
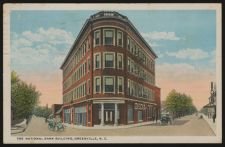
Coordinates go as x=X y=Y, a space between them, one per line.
x=160 y=36
x=194 y=54
x=52 y=35
x=41 y=50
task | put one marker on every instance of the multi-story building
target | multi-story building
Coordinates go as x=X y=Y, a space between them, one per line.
x=109 y=74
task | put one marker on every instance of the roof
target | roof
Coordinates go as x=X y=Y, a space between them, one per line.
x=105 y=15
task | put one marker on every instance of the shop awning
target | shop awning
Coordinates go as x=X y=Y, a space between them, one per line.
x=208 y=106
x=59 y=111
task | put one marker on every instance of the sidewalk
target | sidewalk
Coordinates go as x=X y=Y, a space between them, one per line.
x=111 y=127
x=19 y=128
x=210 y=122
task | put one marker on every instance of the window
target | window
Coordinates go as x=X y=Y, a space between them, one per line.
x=120 y=84
x=88 y=87
x=109 y=84
x=109 y=60
x=128 y=44
x=89 y=64
x=97 y=61
x=87 y=44
x=120 y=38
x=120 y=61
x=128 y=88
x=108 y=37
x=128 y=65
x=130 y=113
x=139 y=115
x=97 y=84
x=97 y=38
x=85 y=67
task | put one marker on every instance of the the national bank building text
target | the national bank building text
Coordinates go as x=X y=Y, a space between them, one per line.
x=109 y=75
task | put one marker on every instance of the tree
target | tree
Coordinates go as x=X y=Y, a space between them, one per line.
x=24 y=98
x=42 y=111
x=179 y=104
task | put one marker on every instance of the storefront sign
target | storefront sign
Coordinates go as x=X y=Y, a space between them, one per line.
x=139 y=106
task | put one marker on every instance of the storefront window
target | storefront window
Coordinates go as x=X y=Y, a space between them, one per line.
x=139 y=115
x=130 y=112
x=80 y=116
x=67 y=116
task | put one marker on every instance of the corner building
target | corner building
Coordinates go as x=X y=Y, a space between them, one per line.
x=109 y=75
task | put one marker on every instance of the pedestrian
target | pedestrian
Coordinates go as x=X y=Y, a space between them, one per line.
x=214 y=117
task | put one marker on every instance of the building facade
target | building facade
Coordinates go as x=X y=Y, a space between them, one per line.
x=109 y=75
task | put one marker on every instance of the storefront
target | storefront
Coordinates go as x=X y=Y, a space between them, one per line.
x=80 y=116
x=67 y=116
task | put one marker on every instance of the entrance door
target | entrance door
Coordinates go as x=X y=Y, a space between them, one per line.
x=109 y=117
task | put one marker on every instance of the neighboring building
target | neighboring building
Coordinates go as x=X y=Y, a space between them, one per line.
x=109 y=74
x=211 y=106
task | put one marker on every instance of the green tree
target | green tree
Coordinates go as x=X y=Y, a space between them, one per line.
x=24 y=98
x=42 y=111
x=179 y=104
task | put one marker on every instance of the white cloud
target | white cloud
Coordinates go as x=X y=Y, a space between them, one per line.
x=52 y=35
x=160 y=36
x=43 y=49
x=194 y=54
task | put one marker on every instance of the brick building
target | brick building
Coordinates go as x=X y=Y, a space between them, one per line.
x=109 y=74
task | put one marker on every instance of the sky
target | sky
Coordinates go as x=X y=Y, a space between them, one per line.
x=184 y=40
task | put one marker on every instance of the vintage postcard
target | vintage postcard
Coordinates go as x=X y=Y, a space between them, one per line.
x=112 y=73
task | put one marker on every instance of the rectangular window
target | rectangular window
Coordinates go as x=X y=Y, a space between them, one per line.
x=87 y=44
x=128 y=87
x=97 y=84
x=128 y=65
x=89 y=64
x=108 y=37
x=120 y=61
x=97 y=61
x=109 y=84
x=89 y=88
x=128 y=44
x=139 y=115
x=85 y=67
x=96 y=38
x=120 y=38
x=130 y=112
x=109 y=60
x=120 y=84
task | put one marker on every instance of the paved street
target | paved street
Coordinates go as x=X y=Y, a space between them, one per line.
x=186 y=126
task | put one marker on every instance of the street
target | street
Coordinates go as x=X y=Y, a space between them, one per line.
x=186 y=126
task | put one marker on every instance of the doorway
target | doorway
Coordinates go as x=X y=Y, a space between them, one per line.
x=109 y=117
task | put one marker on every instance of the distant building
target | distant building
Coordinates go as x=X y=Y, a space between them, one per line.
x=211 y=106
x=109 y=74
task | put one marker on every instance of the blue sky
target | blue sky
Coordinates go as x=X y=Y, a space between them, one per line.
x=40 y=40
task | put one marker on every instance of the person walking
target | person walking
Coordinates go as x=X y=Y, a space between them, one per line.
x=214 y=117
